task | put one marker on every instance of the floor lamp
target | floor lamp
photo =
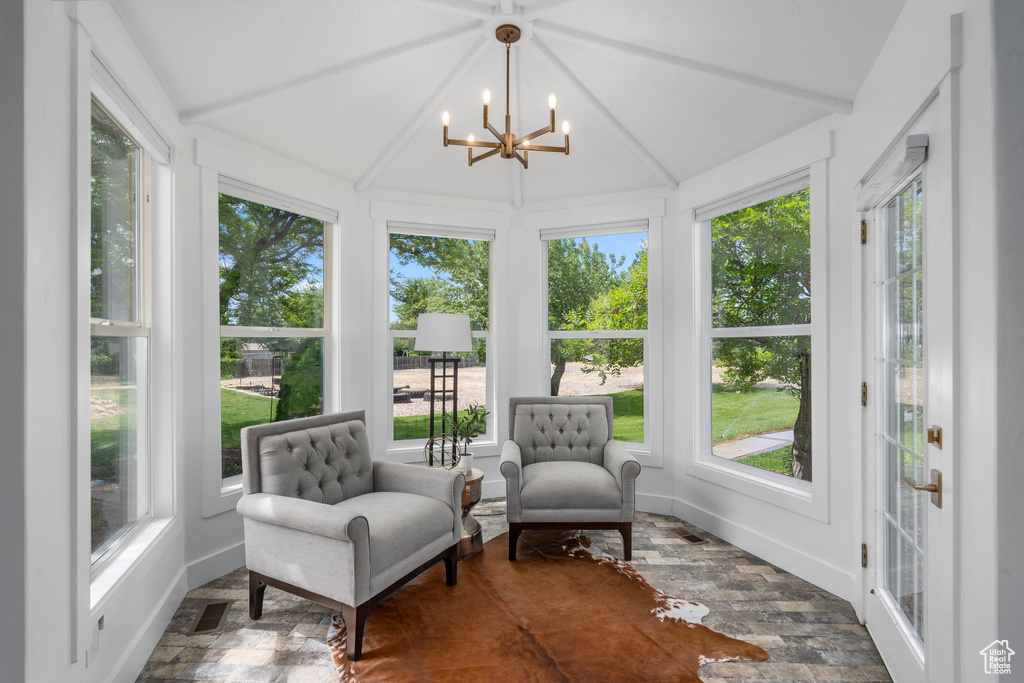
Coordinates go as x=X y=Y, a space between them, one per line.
x=444 y=332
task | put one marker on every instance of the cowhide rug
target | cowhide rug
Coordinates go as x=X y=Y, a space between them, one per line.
x=562 y=612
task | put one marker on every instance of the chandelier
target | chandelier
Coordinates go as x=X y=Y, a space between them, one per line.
x=508 y=145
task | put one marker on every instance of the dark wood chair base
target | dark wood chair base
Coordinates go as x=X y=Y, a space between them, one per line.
x=516 y=528
x=355 y=617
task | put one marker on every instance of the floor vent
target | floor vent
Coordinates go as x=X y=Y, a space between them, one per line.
x=688 y=536
x=211 y=618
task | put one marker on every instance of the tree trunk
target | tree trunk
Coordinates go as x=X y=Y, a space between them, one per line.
x=802 y=428
x=556 y=376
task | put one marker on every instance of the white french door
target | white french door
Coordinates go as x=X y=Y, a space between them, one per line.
x=910 y=423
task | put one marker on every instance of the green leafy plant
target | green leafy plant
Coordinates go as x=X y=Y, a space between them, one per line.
x=470 y=424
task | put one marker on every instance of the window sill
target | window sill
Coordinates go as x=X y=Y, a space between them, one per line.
x=805 y=498
x=106 y=582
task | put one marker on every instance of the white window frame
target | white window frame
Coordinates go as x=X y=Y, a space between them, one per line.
x=807 y=498
x=445 y=232
x=141 y=328
x=249 y=192
x=617 y=228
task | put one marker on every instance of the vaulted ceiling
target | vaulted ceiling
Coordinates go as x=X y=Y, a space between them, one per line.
x=656 y=91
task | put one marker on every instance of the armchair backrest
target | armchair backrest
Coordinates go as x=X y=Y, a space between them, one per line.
x=560 y=427
x=324 y=458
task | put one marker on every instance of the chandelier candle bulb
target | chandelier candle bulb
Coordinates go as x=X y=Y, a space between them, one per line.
x=551 y=101
x=445 y=119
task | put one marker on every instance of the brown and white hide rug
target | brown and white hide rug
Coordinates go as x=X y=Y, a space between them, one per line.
x=562 y=612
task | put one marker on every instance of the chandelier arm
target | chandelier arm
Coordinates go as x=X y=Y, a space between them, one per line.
x=494 y=131
x=534 y=134
x=475 y=143
x=481 y=157
x=546 y=148
x=524 y=158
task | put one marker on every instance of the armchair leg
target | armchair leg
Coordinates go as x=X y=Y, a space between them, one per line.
x=256 y=590
x=355 y=621
x=514 y=529
x=451 y=565
x=626 y=529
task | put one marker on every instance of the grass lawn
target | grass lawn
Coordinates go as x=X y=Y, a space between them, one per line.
x=242 y=409
x=627 y=414
x=736 y=414
x=105 y=434
x=779 y=460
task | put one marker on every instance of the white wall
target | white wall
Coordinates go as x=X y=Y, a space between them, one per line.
x=1008 y=33
x=12 y=340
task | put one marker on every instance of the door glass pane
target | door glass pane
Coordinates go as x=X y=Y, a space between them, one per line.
x=761 y=403
x=115 y=245
x=117 y=421
x=903 y=405
x=265 y=380
x=604 y=367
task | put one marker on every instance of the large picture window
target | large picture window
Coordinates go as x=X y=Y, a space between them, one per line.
x=436 y=271
x=760 y=333
x=120 y=332
x=272 y=309
x=597 y=320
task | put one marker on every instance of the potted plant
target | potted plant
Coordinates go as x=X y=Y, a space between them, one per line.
x=467 y=426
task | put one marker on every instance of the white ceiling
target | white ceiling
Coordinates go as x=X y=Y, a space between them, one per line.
x=657 y=91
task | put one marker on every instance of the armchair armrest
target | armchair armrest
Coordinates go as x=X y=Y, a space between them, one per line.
x=625 y=468
x=444 y=485
x=340 y=522
x=619 y=462
x=512 y=469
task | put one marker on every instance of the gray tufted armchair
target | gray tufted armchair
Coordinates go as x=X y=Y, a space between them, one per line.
x=325 y=522
x=563 y=469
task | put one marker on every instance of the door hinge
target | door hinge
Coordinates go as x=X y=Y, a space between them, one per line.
x=864 y=554
x=863 y=232
x=863 y=393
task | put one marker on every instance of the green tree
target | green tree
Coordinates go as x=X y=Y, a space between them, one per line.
x=269 y=258
x=578 y=274
x=301 y=393
x=761 y=276
x=622 y=307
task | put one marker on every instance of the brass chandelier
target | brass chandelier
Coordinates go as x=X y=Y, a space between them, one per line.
x=508 y=145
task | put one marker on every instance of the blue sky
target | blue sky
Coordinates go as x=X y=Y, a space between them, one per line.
x=626 y=244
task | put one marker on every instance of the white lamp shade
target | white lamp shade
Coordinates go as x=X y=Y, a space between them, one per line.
x=443 y=332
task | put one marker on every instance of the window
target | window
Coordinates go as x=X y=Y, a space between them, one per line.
x=436 y=270
x=760 y=339
x=120 y=333
x=597 y=320
x=272 y=310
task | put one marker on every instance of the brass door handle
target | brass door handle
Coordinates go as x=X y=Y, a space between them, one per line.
x=934 y=488
x=930 y=488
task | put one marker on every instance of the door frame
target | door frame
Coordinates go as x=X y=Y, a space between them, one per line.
x=937 y=661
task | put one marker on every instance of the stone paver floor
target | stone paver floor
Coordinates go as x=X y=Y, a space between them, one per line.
x=810 y=634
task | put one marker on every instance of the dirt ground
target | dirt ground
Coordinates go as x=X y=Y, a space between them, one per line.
x=472 y=385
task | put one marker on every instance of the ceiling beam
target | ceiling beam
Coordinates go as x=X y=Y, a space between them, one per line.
x=507 y=6
x=464 y=7
x=205 y=112
x=427 y=110
x=817 y=100
x=637 y=148
x=538 y=8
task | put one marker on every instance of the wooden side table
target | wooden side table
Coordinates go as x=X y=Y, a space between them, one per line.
x=472 y=542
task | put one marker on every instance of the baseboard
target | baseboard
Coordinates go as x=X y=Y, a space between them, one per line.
x=138 y=653
x=216 y=565
x=493 y=489
x=658 y=505
x=833 y=579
